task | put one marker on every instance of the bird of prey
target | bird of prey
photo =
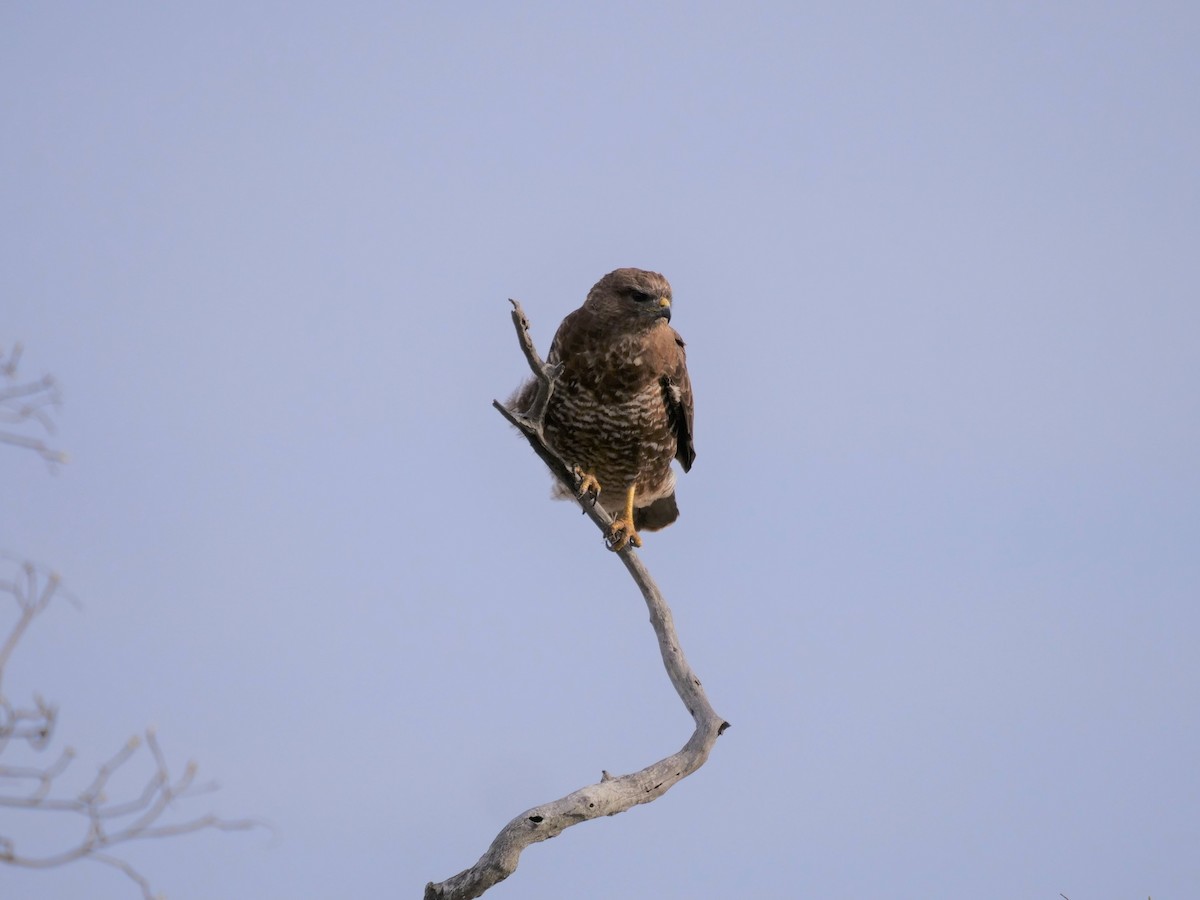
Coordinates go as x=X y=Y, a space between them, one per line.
x=621 y=408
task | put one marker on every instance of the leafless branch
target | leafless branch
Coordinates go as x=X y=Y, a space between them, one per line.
x=612 y=794
x=108 y=823
x=22 y=403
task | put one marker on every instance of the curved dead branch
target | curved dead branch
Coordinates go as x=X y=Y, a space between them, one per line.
x=612 y=794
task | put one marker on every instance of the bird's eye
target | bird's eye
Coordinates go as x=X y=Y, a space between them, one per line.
x=640 y=296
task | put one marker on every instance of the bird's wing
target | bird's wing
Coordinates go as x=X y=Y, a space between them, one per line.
x=677 y=391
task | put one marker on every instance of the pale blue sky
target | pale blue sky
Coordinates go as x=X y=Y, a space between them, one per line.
x=939 y=556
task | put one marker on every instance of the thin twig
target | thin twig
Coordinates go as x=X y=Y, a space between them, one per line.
x=25 y=402
x=109 y=823
x=612 y=794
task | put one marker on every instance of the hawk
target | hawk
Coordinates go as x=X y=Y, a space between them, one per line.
x=621 y=409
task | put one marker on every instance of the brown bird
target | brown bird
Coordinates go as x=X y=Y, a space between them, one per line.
x=622 y=407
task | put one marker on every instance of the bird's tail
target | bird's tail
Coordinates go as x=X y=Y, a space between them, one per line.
x=659 y=514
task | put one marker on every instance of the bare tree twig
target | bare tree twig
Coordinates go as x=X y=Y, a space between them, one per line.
x=612 y=794
x=110 y=823
x=24 y=402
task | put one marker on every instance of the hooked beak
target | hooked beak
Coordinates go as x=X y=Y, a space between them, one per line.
x=664 y=304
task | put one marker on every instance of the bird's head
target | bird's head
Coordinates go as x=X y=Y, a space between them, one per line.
x=631 y=295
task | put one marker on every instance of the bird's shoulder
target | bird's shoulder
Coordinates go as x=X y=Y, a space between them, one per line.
x=578 y=333
x=664 y=350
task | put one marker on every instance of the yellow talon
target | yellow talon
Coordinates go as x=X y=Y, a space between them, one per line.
x=621 y=532
x=586 y=483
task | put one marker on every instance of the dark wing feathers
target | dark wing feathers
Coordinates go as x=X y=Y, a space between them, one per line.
x=677 y=394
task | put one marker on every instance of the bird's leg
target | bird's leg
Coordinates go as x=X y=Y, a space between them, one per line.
x=586 y=484
x=621 y=531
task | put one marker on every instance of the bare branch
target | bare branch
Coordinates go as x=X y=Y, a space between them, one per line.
x=612 y=794
x=26 y=787
x=109 y=822
x=44 y=779
x=31 y=600
x=130 y=872
x=25 y=402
